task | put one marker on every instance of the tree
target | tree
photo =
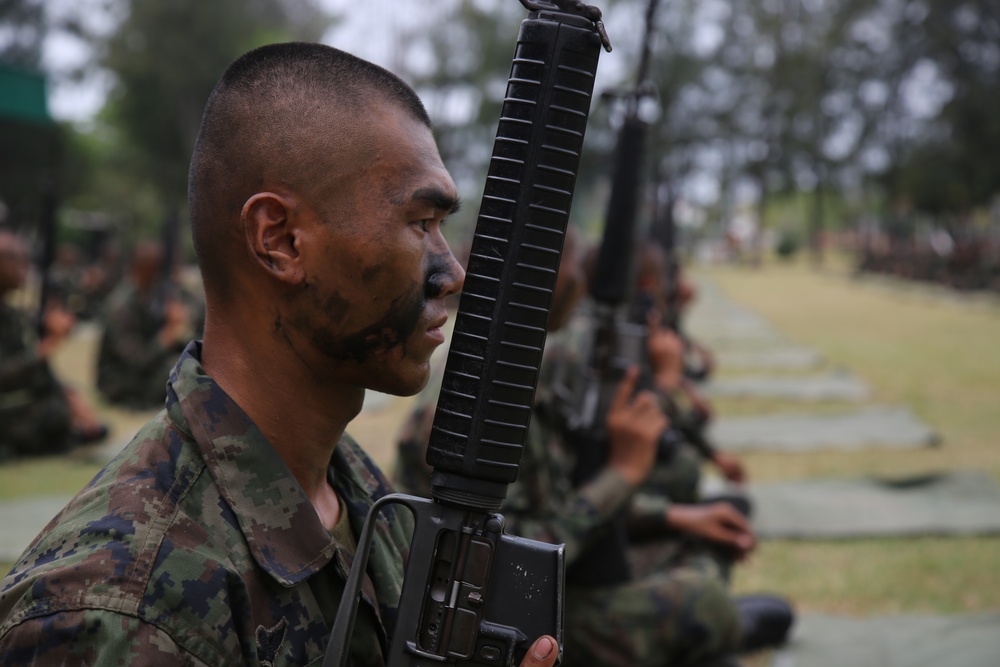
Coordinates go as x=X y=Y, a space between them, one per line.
x=167 y=56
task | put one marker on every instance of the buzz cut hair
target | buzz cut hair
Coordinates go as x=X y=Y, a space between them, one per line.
x=273 y=111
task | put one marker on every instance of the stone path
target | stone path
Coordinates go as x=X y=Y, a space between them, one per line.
x=837 y=386
x=768 y=366
x=955 y=503
x=22 y=519
x=782 y=358
x=895 y=428
x=967 y=640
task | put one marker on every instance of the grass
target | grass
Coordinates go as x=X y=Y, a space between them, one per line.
x=932 y=351
x=878 y=576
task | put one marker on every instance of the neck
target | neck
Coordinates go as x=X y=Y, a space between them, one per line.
x=302 y=416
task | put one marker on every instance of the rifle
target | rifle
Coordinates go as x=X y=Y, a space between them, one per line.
x=466 y=584
x=48 y=227
x=689 y=423
x=615 y=343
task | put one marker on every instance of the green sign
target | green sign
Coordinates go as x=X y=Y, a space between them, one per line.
x=22 y=96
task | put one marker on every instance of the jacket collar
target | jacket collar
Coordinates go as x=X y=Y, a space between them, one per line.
x=279 y=523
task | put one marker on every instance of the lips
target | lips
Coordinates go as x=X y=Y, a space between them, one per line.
x=434 y=331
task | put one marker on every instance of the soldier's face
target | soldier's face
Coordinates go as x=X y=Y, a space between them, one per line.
x=375 y=295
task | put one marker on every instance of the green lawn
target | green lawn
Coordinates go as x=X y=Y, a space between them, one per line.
x=937 y=354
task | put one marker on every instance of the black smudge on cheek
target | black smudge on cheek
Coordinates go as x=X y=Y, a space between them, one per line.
x=391 y=330
x=388 y=332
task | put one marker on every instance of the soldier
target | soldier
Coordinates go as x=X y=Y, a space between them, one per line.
x=676 y=608
x=142 y=338
x=223 y=534
x=38 y=415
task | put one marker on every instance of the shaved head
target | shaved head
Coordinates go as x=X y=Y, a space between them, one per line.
x=295 y=116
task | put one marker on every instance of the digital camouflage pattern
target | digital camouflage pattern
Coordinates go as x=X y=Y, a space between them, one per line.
x=132 y=364
x=196 y=546
x=34 y=413
x=675 y=611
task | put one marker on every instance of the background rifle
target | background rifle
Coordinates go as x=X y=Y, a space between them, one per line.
x=690 y=423
x=604 y=562
x=472 y=594
x=47 y=228
x=663 y=232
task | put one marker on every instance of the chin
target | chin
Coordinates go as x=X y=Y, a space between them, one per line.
x=404 y=385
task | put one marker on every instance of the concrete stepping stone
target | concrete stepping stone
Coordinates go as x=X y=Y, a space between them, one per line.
x=896 y=428
x=952 y=503
x=961 y=640
x=788 y=358
x=831 y=386
x=21 y=520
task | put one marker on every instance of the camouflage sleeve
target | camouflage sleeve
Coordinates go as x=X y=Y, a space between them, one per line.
x=93 y=638
x=542 y=504
x=24 y=370
x=647 y=515
x=20 y=365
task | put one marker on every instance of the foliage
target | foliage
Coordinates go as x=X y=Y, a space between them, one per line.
x=22 y=27
x=131 y=164
x=166 y=58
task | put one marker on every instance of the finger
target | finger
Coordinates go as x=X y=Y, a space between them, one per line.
x=734 y=519
x=653 y=320
x=543 y=653
x=625 y=388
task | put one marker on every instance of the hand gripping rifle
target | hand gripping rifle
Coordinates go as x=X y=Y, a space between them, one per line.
x=472 y=595
x=616 y=343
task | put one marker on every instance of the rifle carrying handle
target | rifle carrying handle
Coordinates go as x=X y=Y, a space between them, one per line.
x=487 y=392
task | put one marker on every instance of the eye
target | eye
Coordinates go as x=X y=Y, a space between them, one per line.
x=428 y=224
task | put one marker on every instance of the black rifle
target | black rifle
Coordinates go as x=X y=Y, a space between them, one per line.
x=616 y=342
x=690 y=423
x=663 y=233
x=472 y=595
x=48 y=228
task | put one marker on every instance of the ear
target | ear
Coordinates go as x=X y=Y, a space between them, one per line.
x=270 y=222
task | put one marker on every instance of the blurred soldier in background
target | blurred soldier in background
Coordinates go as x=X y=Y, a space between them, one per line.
x=38 y=415
x=146 y=326
x=675 y=608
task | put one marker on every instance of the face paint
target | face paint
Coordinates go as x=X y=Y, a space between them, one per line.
x=390 y=331
x=438 y=274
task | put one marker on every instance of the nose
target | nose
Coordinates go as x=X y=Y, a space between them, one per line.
x=455 y=276
x=445 y=276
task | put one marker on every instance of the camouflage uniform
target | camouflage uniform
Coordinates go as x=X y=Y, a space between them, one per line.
x=34 y=412
x=676 y=609
x=133 y=366
x=196 y=546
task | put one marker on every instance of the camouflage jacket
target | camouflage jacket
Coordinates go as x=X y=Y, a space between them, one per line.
x=196 y=546
x=34 y=412
x=22 y=372
x=542 y=504
x=132 y=365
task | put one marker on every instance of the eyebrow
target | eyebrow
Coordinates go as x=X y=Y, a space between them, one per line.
x=439 y=199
